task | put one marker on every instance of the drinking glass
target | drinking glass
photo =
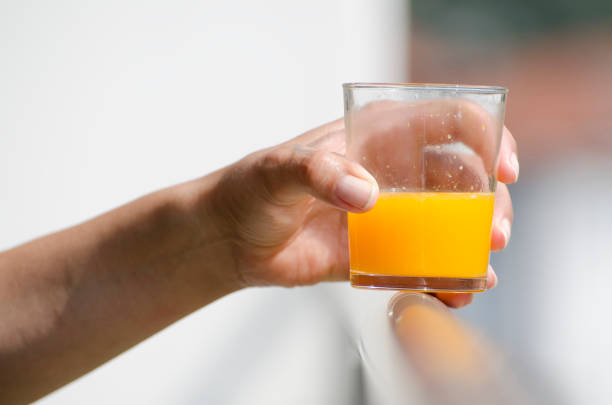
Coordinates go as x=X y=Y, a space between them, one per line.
x=433 y=149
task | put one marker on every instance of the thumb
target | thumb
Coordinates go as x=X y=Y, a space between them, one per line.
x=292 y=172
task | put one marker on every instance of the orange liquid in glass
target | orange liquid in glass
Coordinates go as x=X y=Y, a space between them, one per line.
x=423 y=234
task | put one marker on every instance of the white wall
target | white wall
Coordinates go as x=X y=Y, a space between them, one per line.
x=101 y=102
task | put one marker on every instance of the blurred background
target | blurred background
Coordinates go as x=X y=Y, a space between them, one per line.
x=551 y=309
x=105 y=101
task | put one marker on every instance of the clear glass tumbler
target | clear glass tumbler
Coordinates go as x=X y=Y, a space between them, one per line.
x=433 y=150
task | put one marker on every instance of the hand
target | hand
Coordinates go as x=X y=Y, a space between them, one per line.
x=283 y=210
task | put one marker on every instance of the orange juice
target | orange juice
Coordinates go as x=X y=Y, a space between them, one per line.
x=423 y=234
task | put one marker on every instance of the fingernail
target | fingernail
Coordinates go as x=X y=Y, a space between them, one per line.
x=504 y=226
x=355 y=191
x=514 y=164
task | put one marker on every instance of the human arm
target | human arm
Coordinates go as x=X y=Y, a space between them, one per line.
x=72 y=300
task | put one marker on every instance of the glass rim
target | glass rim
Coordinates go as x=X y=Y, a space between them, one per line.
x=459 y=88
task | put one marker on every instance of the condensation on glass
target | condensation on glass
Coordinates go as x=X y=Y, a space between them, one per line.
x=433 y=150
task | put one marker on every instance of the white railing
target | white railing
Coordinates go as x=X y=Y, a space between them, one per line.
x=418 y=352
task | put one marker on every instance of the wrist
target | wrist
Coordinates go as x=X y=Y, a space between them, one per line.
x=204 y=252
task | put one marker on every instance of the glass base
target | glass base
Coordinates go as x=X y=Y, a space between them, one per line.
x=429 y=284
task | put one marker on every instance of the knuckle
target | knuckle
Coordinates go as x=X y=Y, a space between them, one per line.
x=271 y=163
x=326 y=169
x=274 y=158
x=312 y=165
x=266 y=169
